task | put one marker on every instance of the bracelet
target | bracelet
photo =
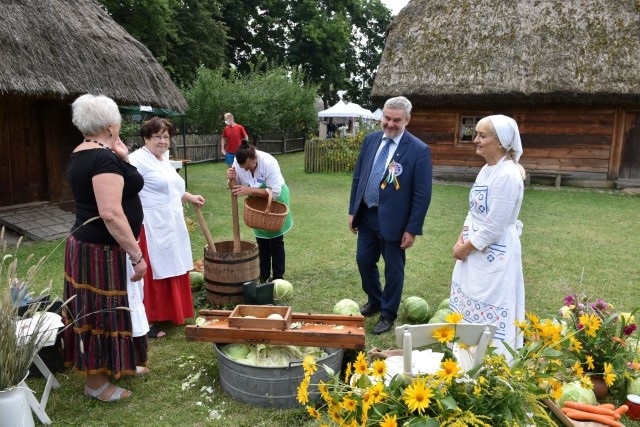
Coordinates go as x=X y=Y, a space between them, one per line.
x=134 y=263
x=139 y=260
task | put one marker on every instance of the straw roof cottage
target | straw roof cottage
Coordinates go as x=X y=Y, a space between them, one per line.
x=53 y=51
x=566 y=70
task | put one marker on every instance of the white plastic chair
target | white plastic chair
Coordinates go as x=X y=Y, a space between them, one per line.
x=409 y=337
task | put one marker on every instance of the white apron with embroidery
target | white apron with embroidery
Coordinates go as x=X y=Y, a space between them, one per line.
x=488 y=287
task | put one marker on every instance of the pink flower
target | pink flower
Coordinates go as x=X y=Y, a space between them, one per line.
x=629 y=329
x=569 y=300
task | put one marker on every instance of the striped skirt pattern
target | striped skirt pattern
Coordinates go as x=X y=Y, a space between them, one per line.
x=98 y=337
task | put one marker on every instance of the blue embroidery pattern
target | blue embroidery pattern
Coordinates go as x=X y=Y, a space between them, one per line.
x=475 y=311
x=478 y=199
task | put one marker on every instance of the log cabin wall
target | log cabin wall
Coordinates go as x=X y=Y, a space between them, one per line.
x=36 y=138
x=579 y=141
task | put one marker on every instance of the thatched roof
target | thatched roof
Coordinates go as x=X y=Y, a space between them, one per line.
x=514 y=52
x=64 y=48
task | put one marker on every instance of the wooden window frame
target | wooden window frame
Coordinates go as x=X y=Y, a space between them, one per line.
x=475 y=117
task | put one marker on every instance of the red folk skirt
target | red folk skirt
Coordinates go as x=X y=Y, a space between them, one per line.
x=165 y=299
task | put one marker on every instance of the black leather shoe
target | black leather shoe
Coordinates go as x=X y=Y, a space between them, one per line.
x=384 y=325
x=369 y=309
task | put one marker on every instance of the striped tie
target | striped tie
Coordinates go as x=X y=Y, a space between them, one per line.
x=371 y=192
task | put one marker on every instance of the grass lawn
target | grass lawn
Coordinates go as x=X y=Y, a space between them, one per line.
x=572 y=239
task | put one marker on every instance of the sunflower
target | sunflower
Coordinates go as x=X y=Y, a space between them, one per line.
x=450 y=370
x=454 y=318
x=389 y=421
x=590 y=324
x=417 y=395
x=444 y=334
x=378 y=392
x=379 y=368
x=303 y=392
x=349 y=404
x=609 y=375
x=309 y=365
x=313 y=412
x=361 y=367
x=589 y=361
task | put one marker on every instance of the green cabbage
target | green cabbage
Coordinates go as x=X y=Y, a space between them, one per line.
x=634 y=386
x=439 y=316
x=282 y=290
x=415 y=309
x=271 y=356
x=443 y=304
x=237 y=351
x=346 y=307
x=576 y=393
x=197 y=279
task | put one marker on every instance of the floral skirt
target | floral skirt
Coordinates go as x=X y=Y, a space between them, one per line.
x=98 y=337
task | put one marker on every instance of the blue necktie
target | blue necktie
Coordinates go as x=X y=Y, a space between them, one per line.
x=371 y=192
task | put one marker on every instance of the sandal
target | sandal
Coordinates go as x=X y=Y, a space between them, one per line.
x=141 y=371
x=97 y=393
x=155 y=332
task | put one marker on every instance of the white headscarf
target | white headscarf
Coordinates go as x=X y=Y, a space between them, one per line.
x=508 y=134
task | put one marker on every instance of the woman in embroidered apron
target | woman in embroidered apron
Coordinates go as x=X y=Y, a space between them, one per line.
x=487 y=285
x=255 y=171
x=164 y=238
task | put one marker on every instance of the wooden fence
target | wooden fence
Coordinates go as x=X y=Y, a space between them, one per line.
x=206 y=148
x=331 y=155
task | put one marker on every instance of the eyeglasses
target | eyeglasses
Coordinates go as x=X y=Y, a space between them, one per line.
x=160 y=137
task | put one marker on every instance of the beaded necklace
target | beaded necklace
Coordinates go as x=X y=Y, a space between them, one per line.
x=99 y=143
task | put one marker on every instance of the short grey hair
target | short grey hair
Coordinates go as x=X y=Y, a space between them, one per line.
x=92 y=114
x=399 y=103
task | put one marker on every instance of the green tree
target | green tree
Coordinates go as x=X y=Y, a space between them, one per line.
x=336 y=43
x=181 y=34
x=264 y=102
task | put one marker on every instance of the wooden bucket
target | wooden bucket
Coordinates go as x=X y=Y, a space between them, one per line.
x=226 y=271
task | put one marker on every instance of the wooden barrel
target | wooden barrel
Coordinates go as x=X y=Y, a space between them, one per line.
x=225 y=271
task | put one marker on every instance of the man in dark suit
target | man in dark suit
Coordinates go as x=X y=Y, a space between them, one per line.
x=390 y=195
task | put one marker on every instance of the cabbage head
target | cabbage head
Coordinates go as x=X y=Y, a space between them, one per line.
x=634 y=386
x=346 y=307
x=237 y=351
x=197 y=279
x=443 y=304
x=439 y=316
x=282 y=290
x=415 y=309
x=576 y=393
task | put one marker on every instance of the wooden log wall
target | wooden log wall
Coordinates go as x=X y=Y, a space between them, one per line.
x=562 y=139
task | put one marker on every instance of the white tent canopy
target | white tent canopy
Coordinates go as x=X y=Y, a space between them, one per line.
x=344 y=109
x=378 y=114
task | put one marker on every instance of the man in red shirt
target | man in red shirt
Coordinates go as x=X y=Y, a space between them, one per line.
x=232 y=136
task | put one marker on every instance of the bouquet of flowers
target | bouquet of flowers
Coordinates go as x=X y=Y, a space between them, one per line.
x=599 y=339
x=493 y=394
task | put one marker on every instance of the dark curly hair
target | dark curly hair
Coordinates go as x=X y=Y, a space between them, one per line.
x=156 y=125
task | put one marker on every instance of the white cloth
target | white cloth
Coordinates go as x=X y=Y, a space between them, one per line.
x=135 y=292
x=508 y=134
x=168 y=240
x=488 y=286
x=267 y=172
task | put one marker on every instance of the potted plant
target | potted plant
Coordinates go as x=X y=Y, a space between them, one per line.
x=18 y=342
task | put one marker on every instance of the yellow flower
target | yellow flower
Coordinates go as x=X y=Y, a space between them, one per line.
x=334 y=414
x=347 y=372
x=589 y=362
x=450 y=370
x=585 y=382
x=454 y=318
x=309 y=365
x=477 y=390
x=349 y=404
x=575 y=345
x=556 y=387
x=535 y=320
x=590 y=324
x=444 y=334
x=522 y=325
x=566 y=312
x=389 y=421
x=627 y=317
x=361 y=367
x=417 y=395
x=378 y=392
x=577 y=369
x=609 y=375
x=313 y=412
x=303 y=392
x=379 y=368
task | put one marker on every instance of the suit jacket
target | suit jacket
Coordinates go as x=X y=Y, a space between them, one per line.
x=402 y=209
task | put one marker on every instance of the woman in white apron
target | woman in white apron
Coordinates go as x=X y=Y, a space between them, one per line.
x=164 y=239
x=487 y=284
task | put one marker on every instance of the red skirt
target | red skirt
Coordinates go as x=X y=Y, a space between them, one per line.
x=165 y=299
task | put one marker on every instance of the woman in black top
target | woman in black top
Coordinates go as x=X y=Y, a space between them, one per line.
x=99 y=341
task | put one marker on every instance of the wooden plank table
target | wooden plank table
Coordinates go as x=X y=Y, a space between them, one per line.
x=546 y=173
x=316 y=330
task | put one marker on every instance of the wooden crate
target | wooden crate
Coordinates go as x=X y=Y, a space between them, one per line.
x=237 y=317
x=313 y=330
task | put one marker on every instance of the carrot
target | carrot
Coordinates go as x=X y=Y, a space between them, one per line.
x=622 y=409
x=589 y=408
x=565 y=410
x=607 y=405
x=590 y=416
